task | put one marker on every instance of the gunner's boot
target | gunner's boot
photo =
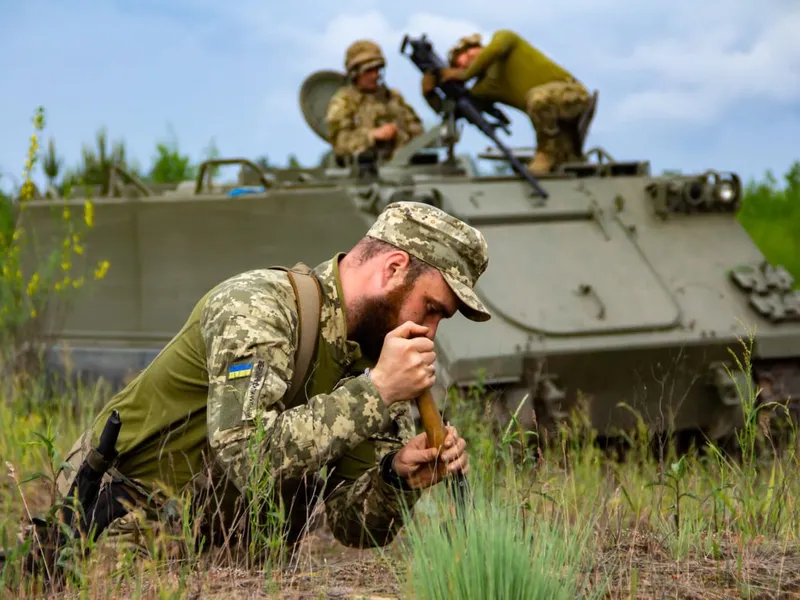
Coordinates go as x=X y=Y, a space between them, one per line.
x=541 y=163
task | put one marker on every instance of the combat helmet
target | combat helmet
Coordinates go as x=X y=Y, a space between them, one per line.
x=363 y=55
x=465 y=43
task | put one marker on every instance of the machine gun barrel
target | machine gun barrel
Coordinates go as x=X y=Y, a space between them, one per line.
x=466 y=107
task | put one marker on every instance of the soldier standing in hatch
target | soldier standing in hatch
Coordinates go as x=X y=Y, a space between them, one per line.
x=366 y=115
x=511 y=71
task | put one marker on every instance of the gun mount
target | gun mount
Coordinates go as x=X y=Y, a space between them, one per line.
x=457 y=104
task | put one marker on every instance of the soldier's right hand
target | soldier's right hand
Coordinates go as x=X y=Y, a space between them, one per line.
x=385 y=132
x=405 y=366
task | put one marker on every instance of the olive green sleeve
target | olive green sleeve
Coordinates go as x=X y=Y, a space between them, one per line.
x=502 y=42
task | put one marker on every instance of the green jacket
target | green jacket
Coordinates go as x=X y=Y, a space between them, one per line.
x=216 y=390
x=508 y=67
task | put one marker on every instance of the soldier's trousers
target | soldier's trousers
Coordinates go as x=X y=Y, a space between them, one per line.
x=553 y=109
x=153 y=524
x=132 y=531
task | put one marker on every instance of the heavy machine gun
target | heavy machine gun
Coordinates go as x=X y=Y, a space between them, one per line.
x=461 y=105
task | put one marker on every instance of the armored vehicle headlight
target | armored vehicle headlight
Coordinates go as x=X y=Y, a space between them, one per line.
x=726 y=192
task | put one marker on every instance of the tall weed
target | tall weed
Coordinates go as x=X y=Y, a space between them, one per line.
x=33 y=282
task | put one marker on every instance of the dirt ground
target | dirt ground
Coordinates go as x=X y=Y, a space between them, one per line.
x=633 y=565
x=637 y=566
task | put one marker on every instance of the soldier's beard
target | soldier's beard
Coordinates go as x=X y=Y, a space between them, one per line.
x=377 y=317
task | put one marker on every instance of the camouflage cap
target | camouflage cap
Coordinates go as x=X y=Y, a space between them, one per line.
x=465 y=43
x=457 y=250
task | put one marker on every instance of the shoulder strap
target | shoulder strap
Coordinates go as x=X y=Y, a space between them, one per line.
x=309 y=303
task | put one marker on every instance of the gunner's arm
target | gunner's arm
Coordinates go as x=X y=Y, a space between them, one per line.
x=502 y=43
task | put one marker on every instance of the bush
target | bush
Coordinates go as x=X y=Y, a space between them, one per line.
x=26 y=295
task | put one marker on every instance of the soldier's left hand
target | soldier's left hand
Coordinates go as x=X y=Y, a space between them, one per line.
x=417 y=464
x=451 y=74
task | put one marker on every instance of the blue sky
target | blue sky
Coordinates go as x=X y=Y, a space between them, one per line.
x=686 y=84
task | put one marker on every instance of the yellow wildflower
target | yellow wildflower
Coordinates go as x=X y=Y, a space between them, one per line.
x=33 y=284
x=88 y=213
x=102 y=269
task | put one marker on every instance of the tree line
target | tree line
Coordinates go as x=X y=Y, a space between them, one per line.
x=168 y=164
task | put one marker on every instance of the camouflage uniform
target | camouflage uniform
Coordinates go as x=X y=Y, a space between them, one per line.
x=353 y=113
x=209 y=414
x=511 y=71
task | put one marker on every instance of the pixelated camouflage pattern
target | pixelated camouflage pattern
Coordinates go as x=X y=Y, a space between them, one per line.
x=252 y=318
x=363 y=55
x=548 y=106
x=464 y=43
x=456 y=249
x=352 y=115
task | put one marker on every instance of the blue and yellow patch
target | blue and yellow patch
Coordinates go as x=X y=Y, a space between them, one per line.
x=240 y=370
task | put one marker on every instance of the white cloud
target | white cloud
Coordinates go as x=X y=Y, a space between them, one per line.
x=670 y=105
x=700 y=76
x=233 y=70
x=656 y=64
x=708 y=56
x=326 y=49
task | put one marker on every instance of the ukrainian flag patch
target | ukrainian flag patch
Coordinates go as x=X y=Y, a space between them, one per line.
x=240 y=370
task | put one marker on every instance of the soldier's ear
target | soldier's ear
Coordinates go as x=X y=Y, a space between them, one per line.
x=394 y=268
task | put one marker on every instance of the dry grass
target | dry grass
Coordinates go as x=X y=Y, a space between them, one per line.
x=734 y=533
x=692 y=527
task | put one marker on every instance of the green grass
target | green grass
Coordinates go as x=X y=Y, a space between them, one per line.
x=563 y=522
x=771 y=215
x=566 y=523
x=497 y=551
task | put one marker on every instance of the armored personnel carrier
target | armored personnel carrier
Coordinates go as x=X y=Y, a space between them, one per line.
x=623 y=291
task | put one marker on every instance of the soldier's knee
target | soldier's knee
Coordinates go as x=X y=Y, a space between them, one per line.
x=545 y=122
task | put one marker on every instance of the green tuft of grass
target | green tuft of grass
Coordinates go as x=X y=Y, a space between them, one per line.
x=498 y=550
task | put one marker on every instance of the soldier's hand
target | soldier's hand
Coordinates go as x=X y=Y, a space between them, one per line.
x=391 y=130
x=385 y=132
x=405 y=366
x=428 y=83
x=417 y=464
x=451 y=74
